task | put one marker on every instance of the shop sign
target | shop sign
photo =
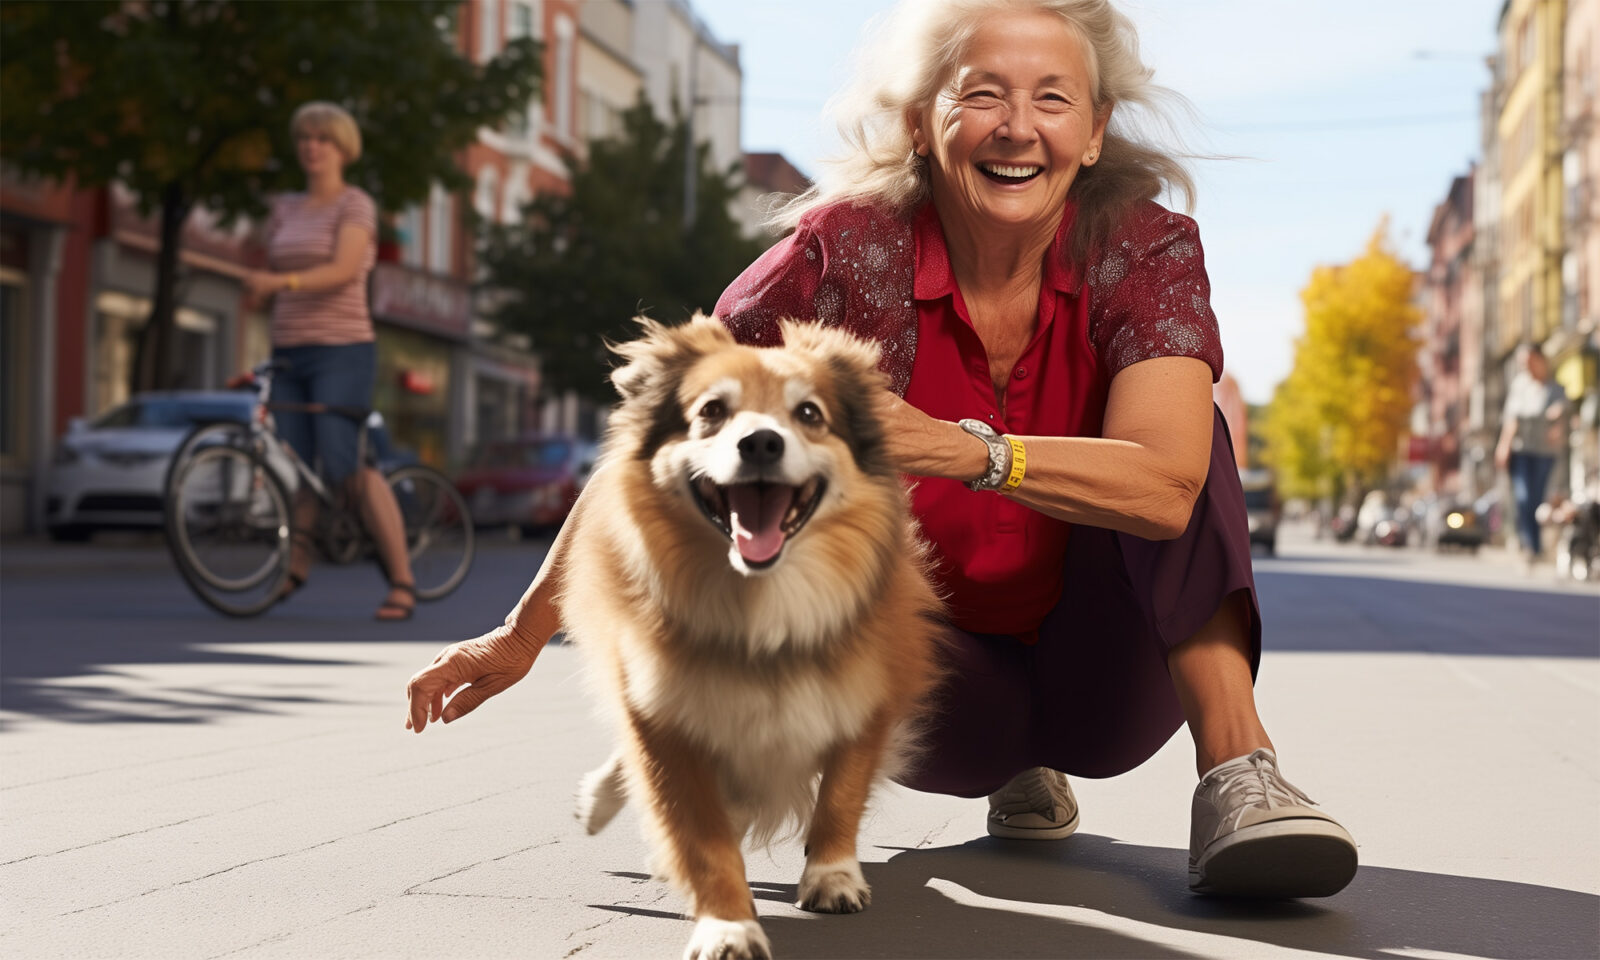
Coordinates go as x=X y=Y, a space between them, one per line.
x=422 y=301
x=415 y=381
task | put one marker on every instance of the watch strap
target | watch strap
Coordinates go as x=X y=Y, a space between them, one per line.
x=1000 y=454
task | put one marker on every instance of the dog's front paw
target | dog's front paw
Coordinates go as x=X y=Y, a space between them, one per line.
x=728 y=940
x=836 y=887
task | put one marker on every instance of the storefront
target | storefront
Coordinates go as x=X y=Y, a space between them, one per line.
x=422 y=322
x=504 y=393
x=206 y=347
x=35 y=220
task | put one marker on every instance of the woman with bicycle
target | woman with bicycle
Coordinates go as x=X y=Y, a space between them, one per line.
x=321 y=245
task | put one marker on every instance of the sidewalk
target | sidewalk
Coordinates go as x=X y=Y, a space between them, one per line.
x=252 y=794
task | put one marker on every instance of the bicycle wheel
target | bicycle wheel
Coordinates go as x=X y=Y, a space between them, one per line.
x=439 y=536
x=228 y=529
x=217 y=433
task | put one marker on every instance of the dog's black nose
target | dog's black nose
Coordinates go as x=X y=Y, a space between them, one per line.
x=763 y=448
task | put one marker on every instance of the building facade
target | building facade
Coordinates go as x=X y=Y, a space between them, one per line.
x=685 y=68
x=1528 y=128
x=1516 y=251
x=1576 y=347
x=1450 y=282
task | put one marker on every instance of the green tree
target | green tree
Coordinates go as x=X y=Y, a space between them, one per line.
x=579 y=266
x=188 y=102
x=1335 y=423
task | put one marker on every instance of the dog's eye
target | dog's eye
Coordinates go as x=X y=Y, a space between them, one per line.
x=808 y=413
x=713 y=409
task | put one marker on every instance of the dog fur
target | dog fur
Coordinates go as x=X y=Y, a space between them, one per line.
x=749 y=692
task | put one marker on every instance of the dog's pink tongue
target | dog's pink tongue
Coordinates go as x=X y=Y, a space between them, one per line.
x=756 y=513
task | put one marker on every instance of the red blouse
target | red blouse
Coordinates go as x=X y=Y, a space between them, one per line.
x=889 y=279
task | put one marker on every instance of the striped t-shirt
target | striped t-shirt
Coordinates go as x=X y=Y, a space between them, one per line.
x=301 y=236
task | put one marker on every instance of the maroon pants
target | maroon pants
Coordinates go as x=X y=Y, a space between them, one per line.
x=1093 y=697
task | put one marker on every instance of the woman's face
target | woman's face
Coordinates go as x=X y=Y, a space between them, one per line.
x=1008 y=133
x=317 y=152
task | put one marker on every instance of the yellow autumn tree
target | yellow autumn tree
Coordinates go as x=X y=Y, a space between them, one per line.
x=1335 y=423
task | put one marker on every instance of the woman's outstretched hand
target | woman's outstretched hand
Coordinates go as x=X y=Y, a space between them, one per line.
x=485 y=666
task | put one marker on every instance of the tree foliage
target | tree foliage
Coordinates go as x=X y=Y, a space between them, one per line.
x=1334 y=424
x=188 y=102
x=579 y=267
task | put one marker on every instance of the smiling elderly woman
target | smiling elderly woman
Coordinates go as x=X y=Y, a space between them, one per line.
x=1047 y=331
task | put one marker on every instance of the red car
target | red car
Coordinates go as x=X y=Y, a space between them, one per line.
x=529 y=483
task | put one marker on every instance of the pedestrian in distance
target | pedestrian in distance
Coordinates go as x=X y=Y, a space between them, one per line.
x=1530 y=439
x=1047 y=331
x=321 y=246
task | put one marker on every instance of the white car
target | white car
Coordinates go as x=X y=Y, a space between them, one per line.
x=111 y=471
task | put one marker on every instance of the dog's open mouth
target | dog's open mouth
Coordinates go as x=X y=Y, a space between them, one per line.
x=758 y=517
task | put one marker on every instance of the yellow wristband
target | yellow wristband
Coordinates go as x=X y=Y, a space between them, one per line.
x=293 y=283
x=1019 y=464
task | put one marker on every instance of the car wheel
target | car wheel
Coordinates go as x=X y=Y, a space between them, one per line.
x=71 y=534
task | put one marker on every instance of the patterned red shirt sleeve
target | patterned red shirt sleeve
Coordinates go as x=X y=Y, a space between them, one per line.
x=1149 y=296
x=781 y=283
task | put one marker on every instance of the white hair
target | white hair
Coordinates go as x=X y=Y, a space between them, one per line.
x=911 y=54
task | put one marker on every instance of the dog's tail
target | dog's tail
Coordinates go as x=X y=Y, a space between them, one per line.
x=601 y=793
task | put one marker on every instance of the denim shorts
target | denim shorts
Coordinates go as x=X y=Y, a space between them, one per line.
x=342 y=375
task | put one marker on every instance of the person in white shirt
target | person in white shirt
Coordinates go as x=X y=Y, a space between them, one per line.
x=1530 y=440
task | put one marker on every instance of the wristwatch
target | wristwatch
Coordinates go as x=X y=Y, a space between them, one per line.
x=999 y=455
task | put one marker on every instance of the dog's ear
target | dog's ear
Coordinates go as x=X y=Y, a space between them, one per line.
x=662 y=353
x=842 y=352
x=641 y=358
x=852 y=365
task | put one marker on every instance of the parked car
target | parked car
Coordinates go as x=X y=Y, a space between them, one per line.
x=528 y=483
x=1261 y=507
x=1458 y=525
x=109 y=471
x=1380 y=523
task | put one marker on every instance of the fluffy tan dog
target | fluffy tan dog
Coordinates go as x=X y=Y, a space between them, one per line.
x=750 y=595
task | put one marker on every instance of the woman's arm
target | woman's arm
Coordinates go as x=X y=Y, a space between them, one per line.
x=1141 y=478
x=349 y=255
x=491 y=663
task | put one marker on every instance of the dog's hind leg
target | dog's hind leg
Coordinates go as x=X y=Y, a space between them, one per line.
x=832 y=881
x=601 y=793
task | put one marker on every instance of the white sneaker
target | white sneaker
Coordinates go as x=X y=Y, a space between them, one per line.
x=1253 y=834
x=1036 y=805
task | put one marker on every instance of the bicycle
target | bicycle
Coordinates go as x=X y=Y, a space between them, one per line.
x=229 y=515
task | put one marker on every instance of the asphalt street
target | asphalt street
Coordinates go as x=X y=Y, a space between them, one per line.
x=177 y=785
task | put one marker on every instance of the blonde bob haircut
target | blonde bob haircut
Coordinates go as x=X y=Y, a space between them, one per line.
x=911 y=55
x=320 y=116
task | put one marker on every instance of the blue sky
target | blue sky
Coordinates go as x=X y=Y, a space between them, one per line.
x=1342 y=113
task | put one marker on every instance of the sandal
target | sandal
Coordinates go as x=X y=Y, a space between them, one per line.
x=296 y=580
x=295 y=583
x=389 y=610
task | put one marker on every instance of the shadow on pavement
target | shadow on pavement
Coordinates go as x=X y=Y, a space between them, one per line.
x=1309 y=611
x=1092 y=896
x=80 y=629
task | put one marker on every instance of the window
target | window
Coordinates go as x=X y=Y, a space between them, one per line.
x=484 y=199
x=1528 y=40
x=488 y=29
x=411 y=237
x=522 y=21
x=440 y=230
x=565 y=38
x=515 y=195
x=11 y=368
